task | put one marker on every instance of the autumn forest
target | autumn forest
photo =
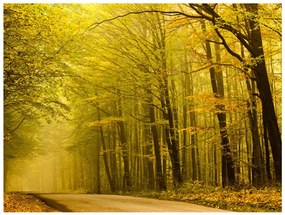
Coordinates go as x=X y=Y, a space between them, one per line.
x=102 y=98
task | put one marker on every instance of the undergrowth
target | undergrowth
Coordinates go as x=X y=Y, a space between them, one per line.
x=266 y=199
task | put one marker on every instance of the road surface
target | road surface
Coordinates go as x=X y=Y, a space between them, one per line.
x=116 y=203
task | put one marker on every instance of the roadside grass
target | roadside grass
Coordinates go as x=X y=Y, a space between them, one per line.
x=266 y=199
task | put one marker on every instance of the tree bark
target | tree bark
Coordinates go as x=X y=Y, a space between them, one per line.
x=228 y=172
x=258 y=177
x=127 y=185
x=160 y=177
x=263 y=85
x=170 y=131
x=172 y=142
x=113 y=160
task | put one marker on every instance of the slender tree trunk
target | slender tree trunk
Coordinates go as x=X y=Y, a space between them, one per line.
x=184 y=153
x=98 y=165
x=105 y=154
x=105 y=158
x=267 y=153
x=126 y=177
x=159 y=175
x=6 y=168
x=258 y=178
x=113 y=159
x=149 y=171
x=172 y=142
x=195 y=165
x=170 y=131
x=127 y=185
x=228 y=173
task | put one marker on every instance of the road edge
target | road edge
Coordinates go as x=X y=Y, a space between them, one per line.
x=51 y=203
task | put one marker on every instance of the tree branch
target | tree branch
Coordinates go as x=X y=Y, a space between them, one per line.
x=227 y=47
x=168 y=13
x=219 y=22
x=22 y=120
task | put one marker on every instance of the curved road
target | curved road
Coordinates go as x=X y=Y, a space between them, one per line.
x=116 y=203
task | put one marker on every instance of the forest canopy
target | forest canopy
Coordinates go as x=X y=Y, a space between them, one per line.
x=141 y=96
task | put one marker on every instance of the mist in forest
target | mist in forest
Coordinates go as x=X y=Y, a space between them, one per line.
x=103 y=98
x=49 y=166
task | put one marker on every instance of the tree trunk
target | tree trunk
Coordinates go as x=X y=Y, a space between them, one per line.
x=127 y=185
x=253 y=43
x=267 y=153
x=6 y=168
x=159 y=175
x=171 y=140
x=113 y=159
x=258 y=178
x=98 y=164
x=105 y=154
x=195 y=166
x=170 y=131
x=262 y=81
x=228 y=172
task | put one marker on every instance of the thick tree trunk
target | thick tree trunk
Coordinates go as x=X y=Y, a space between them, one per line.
x=258 y=176
x=270 y=121
x=262 y=81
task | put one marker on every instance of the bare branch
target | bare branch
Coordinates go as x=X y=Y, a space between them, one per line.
x=227 y=47
x=168 y=13
x=22 y=120
x=212 y=41
x=219 y=22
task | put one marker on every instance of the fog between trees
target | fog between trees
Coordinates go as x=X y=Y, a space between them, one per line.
x=132 y=97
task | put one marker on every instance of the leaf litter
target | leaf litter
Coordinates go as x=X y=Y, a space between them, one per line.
x=22 y=202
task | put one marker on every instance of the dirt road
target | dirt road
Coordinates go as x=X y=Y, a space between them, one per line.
x=116 y=203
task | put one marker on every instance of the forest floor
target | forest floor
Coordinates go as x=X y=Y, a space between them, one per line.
x=268 y=199
x=20 y=202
